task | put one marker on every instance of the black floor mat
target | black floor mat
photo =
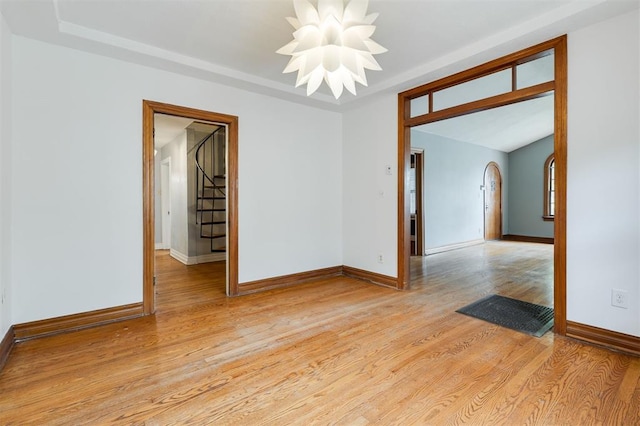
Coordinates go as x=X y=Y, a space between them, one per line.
x=511 y=313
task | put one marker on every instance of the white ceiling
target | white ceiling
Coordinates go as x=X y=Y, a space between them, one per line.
x=505 y=129
x=167 y=128
x=233 y=42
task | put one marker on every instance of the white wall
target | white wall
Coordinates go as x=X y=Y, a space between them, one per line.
x=77 y=121
x=526 y=189
x=176 y=150
x=452 y=198
x=370 y=195
x=603 y=166
x=6 y=296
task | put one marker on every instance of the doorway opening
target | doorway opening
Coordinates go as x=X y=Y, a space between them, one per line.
x=210 y=120
x=416 y=201
x=426 y=104
x=516 y=140
x=165 y=205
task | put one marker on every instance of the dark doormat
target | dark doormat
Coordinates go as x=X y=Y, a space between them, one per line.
x=511 y=313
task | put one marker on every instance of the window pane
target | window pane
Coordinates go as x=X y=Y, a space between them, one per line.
x=419 y=106
x=534 y=72
x=480 y=88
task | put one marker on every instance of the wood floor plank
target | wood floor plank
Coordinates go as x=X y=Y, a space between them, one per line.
x=334 y=351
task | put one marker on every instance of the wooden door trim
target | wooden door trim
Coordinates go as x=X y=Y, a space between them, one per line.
x=149 y=108
x=559 y=87
x=484 y=175
x=560 y=220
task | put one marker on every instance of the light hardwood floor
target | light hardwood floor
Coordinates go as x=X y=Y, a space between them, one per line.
x=338 y=351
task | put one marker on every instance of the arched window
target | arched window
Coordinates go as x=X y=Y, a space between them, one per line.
x=549 y=188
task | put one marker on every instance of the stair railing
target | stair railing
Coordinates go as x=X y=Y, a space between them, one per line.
x=201 y=146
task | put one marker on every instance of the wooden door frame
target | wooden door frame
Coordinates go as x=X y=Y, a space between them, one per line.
x=149 y=108
x=484 y=199
x=559 y=87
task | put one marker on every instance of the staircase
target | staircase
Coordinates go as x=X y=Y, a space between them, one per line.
x=211 y=197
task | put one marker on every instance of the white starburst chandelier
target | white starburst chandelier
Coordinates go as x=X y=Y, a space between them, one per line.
x=332 y=44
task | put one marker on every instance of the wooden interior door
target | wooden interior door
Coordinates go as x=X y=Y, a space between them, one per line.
x=492 y=202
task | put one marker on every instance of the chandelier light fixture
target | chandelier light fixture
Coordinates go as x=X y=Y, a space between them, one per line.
x=332 y=43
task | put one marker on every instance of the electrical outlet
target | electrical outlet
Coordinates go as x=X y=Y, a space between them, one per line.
x=380 y=259
x=619 y=298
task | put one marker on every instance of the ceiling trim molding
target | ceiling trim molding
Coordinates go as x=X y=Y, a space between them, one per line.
x=111 y=40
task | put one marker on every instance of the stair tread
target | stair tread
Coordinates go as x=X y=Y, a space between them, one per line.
x=215 y=222
x=221 y=209
x=219 y=250
x=211 y=198
x=214 y=236
x=214 y=187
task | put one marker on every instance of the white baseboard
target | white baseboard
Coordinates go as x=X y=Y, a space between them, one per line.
x=194 y=260
x=159 y=246
x=206 y=258
x=183 y=258
x=450 y=247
